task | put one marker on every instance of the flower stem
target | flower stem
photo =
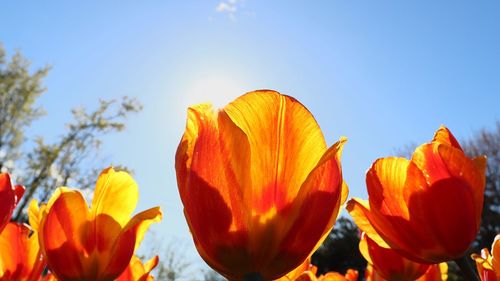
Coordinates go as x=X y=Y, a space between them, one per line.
x=466 y=268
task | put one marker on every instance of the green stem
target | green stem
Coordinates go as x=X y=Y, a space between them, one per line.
x=466 y=268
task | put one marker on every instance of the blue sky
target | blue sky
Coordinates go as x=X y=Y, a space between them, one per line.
x=382 y=73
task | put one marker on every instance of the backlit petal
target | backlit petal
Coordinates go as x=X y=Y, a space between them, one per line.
x=444 y=136
x=34 y=214
x=115 y=195
x=360 y=212
x=436 y=272
x=323 y=189
x=118 y=258
x=20 y=257
x=388 y=263
x=285 y=144
x=495 y=253
x=8 y=199
x=472 y=172
x=136 y=271
x=393 y=184
x=62 y=231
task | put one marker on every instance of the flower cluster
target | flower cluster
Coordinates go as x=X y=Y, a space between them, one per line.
x=261 y=190
x=73 y=241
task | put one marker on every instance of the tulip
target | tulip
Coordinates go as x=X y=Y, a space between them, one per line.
x=488 y=265
x=97 y=243
x=388 y=264
x=9 y=197
x=427 y=208
x=20 y=255
x=435 y=272
x=137 y=271
x=307 y=272
x=351 y=275
x=259 y=186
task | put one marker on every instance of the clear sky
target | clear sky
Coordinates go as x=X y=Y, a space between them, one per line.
x=382 y=73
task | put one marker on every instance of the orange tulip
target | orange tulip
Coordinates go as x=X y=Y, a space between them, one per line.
x=259 y=186
x=9 y=197
x=427 y=208
x=351 y=275
x=20 y=255
x=137 y=271
x=307 y=272
x=95 y=244
x=388 y=264
x=488 y=265
x=436 y=272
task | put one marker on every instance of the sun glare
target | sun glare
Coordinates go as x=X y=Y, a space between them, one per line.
x=219 y=90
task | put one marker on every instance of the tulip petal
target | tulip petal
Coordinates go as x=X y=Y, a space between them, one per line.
x=119 y=257
x=307 y=276
x=285 y=144
x=34 y=215
x=388 y=263
x=325 y=179
x=470 y=171
x=7 y=199
x=394 y=186
x=301 y=232
x=495 y=252
x=11 y=249
x=444 y=136
x=20 y=257
x=436 y=272
x=115 y=195
x=151 y=264
x=386 y=181
x=360 y=212
x=451 y=175
x=333 y=276
x=363 y=248
x=136 y=271
x=63 y=229
x=207 y=182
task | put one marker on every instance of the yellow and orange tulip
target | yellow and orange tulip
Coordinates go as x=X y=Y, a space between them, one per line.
x=488 y=265
x=351 y=275
x=388 y=264
x=435 y=272
x=97 y=243
x=307 y=272
x=259 y=185
x=20 y=255
x=427 y=208
x=137 y=271
x=9 y=197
